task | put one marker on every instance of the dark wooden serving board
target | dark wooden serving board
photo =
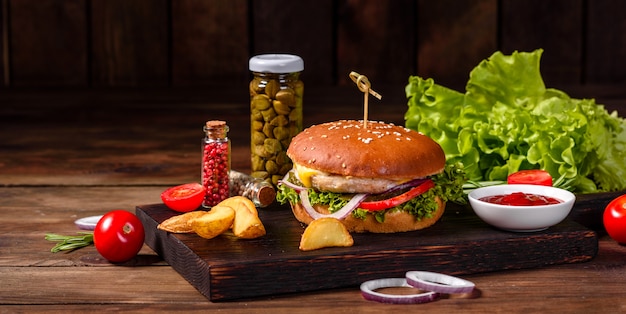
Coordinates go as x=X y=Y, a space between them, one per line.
x=460 y=243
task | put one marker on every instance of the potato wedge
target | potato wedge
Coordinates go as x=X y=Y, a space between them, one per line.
x=325 y=232
x=215 y=222
x=237 y=201
x=180 y=223
x=247 y=224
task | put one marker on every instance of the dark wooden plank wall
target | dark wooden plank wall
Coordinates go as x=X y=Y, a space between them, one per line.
x=161 y=43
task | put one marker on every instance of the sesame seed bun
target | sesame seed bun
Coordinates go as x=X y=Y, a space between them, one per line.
x=381 y=151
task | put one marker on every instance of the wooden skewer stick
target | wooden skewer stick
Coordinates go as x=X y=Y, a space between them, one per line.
x=364 y=85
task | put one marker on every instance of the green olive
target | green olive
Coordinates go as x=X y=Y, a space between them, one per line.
x=268 y=130
x=257 y=163
x=261 y=150
x=272 y=146
x=285 y=168
x=255 y=87
x=260 y=102
x=272 y=87
x=276 y=178
x=295 y=114
x=255 y=115
x=280 y=120
x=281 y=107
x=256 y=126
x=287 y=97
x=281 y=133
x=282 y=158
x=271 y=167
x=260 y=174
x=258 y=137
x=268 y=114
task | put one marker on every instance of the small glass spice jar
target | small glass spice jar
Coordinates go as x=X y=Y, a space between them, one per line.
x=260 y=192
x=275 y=113
x=215 y=163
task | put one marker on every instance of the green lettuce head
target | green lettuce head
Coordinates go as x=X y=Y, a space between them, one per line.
x=507 y=120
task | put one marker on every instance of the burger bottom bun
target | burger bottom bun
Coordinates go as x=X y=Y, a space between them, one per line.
x=394 y=222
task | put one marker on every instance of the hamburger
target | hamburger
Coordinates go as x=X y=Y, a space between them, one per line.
x=381 y=178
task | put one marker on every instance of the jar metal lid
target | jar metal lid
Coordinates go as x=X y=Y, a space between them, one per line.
x=276 y=63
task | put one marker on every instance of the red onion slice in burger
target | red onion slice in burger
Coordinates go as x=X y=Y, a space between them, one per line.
x=340 y=214
x=292 y=186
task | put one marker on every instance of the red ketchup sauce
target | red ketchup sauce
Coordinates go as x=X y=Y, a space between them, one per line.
x=521 y=199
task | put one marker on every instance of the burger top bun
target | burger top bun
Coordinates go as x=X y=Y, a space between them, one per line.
x=381 y=150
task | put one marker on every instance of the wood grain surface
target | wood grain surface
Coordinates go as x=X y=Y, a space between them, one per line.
x=143 y=43
x=67 y=154
x=225 y=267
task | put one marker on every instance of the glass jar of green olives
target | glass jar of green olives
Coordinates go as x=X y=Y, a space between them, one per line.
x=275 y=113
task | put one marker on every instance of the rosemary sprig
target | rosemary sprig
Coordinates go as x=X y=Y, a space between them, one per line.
x=471 y=185
x=70 y=243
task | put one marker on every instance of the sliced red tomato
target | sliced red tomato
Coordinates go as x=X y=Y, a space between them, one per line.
x=614 y=219
x=184 y=198
x=118 y=236
x=534 y=176
x=397 y=200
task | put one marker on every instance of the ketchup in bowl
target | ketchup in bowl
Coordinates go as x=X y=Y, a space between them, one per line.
x=521 y=199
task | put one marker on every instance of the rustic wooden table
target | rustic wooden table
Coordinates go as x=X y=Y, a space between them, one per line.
x=71 y=154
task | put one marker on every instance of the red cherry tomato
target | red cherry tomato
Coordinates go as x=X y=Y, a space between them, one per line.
x=614 y=219
x=533 y=176
x=184 y=198
x=118 y=236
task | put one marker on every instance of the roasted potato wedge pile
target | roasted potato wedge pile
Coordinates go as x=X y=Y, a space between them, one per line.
x=236 y=213
x=325 y=232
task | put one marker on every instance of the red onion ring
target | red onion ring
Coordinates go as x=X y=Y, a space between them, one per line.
x=441 y=283
x=285 y=181
x=410 y=184
x=340 y=214
x=368 y=292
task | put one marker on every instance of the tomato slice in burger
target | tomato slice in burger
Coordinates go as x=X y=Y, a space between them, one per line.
x=184 y=198
x=533 y=176
x=397 y=200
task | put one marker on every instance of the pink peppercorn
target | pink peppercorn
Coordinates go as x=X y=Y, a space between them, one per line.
x=215 y=163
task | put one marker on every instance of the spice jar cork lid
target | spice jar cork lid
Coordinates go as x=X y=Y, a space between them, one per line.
x=215 y=124
x=266 y=195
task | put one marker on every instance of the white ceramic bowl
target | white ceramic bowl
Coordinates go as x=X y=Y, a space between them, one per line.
x=521 y=218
